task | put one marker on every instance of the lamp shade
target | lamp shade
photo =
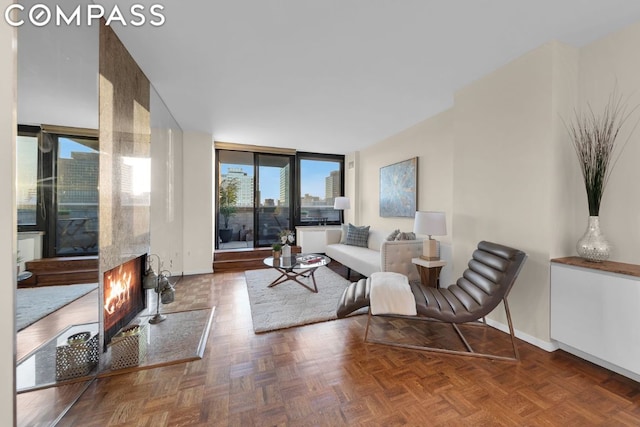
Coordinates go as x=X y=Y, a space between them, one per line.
x=430 y=223
x=341 y=203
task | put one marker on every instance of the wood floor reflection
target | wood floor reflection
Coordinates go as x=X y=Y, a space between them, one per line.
x=323 y=374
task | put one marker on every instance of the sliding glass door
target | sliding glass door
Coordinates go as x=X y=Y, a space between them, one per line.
x=273 y=213
x=254 y=198
x=77 y=196
x=236 y=172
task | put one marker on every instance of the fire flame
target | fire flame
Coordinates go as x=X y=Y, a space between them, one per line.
x=119 y=292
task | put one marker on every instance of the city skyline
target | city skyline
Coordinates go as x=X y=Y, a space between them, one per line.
x=315 y=176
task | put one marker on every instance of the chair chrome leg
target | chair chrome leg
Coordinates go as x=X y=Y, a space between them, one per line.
x=366 y=331
x=462 y=338
x=511 y=330
x=468 y=352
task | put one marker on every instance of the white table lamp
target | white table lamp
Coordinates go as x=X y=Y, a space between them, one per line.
x=431 y=224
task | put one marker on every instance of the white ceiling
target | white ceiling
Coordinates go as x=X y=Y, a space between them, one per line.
x=339 y=75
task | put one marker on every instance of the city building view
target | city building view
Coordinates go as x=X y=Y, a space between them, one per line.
x=320 y=184
x=75 y=194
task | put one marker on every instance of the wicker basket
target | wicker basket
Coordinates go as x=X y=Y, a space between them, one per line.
x=129 y=347
x=78 y=357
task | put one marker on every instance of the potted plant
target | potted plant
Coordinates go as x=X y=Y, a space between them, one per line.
x=228 y=198
x=594 y=140
x=277 y=247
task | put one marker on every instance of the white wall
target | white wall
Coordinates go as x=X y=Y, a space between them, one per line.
x=432 y=142
x=603 y=64
x=504 y=157
x=566 y=190
x=198 y=203
x=8 y=253
x=166 y=187
x=504 y=175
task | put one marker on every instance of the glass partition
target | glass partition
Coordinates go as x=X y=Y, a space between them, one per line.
x=57 y=85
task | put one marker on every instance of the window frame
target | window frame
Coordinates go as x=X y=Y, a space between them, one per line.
x=47 y=181
x=303 y=155
x=295 y=190
x=35 y=131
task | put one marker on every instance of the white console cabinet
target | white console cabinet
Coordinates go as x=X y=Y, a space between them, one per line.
x=313 y=239
x=595 y=312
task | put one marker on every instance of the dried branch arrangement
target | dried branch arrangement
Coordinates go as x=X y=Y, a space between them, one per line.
x=594 y=140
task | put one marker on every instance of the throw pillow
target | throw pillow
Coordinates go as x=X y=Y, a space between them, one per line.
x=409 y=235
x=393 y=235
x=343 y=236
x=357 y=236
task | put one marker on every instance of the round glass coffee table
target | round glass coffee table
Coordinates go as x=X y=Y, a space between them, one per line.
x=297 y=266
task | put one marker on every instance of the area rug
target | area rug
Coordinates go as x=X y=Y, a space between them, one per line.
x=289 y=304
x=32 y=304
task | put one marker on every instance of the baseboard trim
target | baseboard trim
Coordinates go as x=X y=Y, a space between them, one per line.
x=193 y=272
x=597 y=361
x=545 y=345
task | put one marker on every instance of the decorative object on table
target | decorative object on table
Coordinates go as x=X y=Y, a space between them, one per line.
x=286 y=251
x=405 y=235
x=277 y=250
x=431 y=224
x=391 y=237
x=398 y=189
x=129 y=347
x=77 y=357
x=594 y=140
x=286 y=237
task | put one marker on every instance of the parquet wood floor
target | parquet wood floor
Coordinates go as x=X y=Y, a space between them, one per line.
x=324 y=375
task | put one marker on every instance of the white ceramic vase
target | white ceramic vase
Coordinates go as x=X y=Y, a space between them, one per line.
x=593 y=246
x=286 y=251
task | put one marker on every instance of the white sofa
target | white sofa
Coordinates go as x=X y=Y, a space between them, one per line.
x=379 y=255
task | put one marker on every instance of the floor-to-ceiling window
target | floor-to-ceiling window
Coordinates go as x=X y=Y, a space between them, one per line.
x=76 y=198
x=274 y=190
x=321 y=180
x=235 y=207
x=261 y=193
x=57 y=170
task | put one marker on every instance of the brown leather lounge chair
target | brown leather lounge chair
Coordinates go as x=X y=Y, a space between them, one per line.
x=486 y=282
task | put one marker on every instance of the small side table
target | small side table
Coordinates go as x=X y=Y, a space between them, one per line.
x=429 y=271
